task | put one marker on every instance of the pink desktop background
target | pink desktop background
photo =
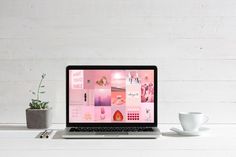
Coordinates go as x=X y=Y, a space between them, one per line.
x=111 y=96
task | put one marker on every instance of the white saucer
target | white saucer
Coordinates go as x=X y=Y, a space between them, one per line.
x=189 y=133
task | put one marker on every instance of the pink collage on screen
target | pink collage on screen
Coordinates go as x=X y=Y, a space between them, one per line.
x=111 y=96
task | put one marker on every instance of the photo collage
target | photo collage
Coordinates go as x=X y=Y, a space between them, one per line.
x=111 y=96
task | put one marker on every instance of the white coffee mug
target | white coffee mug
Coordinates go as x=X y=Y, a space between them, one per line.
x=192 y=121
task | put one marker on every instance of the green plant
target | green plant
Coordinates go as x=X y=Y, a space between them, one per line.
x=37 y=103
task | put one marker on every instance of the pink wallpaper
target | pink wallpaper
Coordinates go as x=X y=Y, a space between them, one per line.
x=117 y=96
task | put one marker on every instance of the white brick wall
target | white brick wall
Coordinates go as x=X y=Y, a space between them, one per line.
x=192 y=42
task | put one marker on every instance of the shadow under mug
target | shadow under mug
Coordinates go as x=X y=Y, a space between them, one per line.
x=192 y=121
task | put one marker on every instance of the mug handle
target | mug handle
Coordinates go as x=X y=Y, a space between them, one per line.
x=206 y=119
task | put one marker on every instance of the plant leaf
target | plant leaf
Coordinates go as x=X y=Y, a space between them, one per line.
x=36 y=101
x=43 y=75
x=42 y=92
x=38 y=104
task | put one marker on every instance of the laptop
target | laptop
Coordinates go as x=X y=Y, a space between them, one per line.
x=111 y=102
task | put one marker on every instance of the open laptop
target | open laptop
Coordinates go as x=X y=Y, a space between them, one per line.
x=111 y=102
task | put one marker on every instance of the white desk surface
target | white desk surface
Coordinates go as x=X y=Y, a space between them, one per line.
x=16 y=140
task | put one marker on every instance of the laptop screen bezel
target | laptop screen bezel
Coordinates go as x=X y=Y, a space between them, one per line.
x=112 y=67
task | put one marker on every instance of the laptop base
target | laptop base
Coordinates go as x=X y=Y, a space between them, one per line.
x=111 y=135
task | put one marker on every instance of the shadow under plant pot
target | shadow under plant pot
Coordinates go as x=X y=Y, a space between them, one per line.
x=38 y=118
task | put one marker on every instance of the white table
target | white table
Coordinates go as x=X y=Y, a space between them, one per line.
x=17 y=140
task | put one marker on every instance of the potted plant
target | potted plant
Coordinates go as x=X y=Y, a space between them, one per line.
x=38 y=115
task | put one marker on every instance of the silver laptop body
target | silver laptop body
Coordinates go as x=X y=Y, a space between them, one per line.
x=128 y=134
x=125 y=112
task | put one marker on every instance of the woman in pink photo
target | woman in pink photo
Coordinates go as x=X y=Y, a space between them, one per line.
x=147 y=91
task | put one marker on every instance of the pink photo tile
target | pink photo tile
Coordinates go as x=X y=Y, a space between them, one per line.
x=118 y=98
x=133 y=95
x=76 y=79
x=102 y=97
x=147 y=112
x=118 y=80
x=102 y=79
x=75 y=113
x=118 y=114
x=103 y=114
x=146 y=76
x=87 y=114
x=89 y=97
x=133 y=114
x=76 y=96
x=147 y=85
x=89 y=81
x=81 y=97
x=147 y=93
x=132 y=77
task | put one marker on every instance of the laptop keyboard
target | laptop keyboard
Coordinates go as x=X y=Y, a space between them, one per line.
x=110 y=129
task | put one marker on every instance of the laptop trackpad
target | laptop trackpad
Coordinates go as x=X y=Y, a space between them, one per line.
x=112 y=133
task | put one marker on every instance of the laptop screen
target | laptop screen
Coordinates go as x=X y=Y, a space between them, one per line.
x=111 y=95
